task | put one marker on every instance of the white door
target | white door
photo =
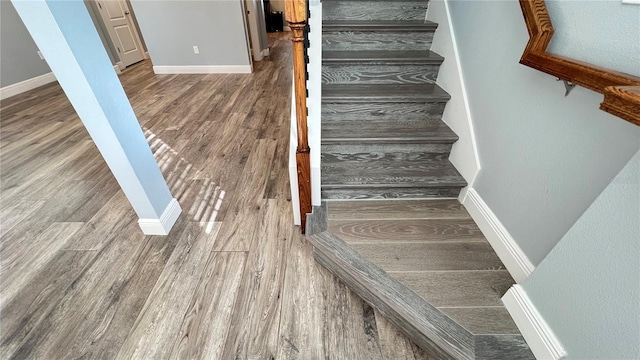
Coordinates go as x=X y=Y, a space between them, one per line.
x=117 y=19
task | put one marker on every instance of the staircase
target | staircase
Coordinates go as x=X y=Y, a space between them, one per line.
x=382 y=133
x=419 y=258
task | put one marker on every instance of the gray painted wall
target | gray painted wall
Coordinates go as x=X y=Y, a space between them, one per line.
x=579 y=26
x=18 y=53
x=588 y=288
x=544 y=158
x=19 y=60
x=172 y=28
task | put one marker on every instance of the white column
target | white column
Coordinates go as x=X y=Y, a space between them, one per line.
x=70 y=43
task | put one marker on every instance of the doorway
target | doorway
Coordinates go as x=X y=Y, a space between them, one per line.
x=122 y=29
x=256 y=29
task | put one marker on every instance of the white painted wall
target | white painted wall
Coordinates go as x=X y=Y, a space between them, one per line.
x=464 y=154
x=588 y=287
x=579 y=26
x=544 y=157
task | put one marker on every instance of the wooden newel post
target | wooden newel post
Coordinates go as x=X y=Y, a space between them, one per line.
x=296 y=15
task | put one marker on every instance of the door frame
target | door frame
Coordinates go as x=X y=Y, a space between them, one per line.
x=253 y=28
x=134 y=28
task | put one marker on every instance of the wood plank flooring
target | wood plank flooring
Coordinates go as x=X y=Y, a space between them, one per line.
x=233 y=280
x=435 y=249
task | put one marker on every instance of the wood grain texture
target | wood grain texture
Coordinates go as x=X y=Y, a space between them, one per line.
x=436 y=333
x=483 y=320
x=388 y=210
x=394 y=93
x=89 y=293
x=578 y=72
x=406 y=231
x=391 y=193
x=19 y=267
x=399 y=256
x=379 y=25
x=317 y=221
x=502 y=347
x=378 y=74
x=458 y=288
x=380 y=173
x=162 y=314
x=207 y=320
x=254 y=325
x=234 y=235
x=386 y=132
x=374 y=10
x=296 y=11
x=300 y=336
x=623 y=102
x=381 y=57
x=30 y=309
x=14 y=213
x=370 y=40
x=333 y=153
x=394 y=345
x=339 y=111
x=297 y=16
x=389 y=241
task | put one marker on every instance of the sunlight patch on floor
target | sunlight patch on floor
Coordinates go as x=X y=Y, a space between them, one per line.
x=208 y=196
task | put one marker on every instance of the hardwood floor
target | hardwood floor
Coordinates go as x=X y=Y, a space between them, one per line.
x=233 y=280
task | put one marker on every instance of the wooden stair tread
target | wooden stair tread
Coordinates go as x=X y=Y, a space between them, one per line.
x=384 y=93
x=407 y=279
x=386 y=173
x=406 y=230
x=432 y=330
x=458 y=288
x=378 y=25
x=381 y=57
x=386 y=131
x=483 y=320
x=429 y=256
x=367 y=1
x=394 y=209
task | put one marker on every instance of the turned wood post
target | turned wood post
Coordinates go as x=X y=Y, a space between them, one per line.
x=296 y=15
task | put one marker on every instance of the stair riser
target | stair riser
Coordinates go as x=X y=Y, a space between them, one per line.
x=377 y=40
x=332 y=153
x=413 y=151
x=389 y=193
x=344 y=111
x=374 y=10
x=379 y=74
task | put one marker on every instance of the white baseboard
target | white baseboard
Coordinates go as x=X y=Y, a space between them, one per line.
x=536 y=332
x=120 y=65
x=265 y=52
x=26 y=85
x=163 y=225
x=146 y=55
x=512 y=256
x=117 y=69
x=203 y=69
